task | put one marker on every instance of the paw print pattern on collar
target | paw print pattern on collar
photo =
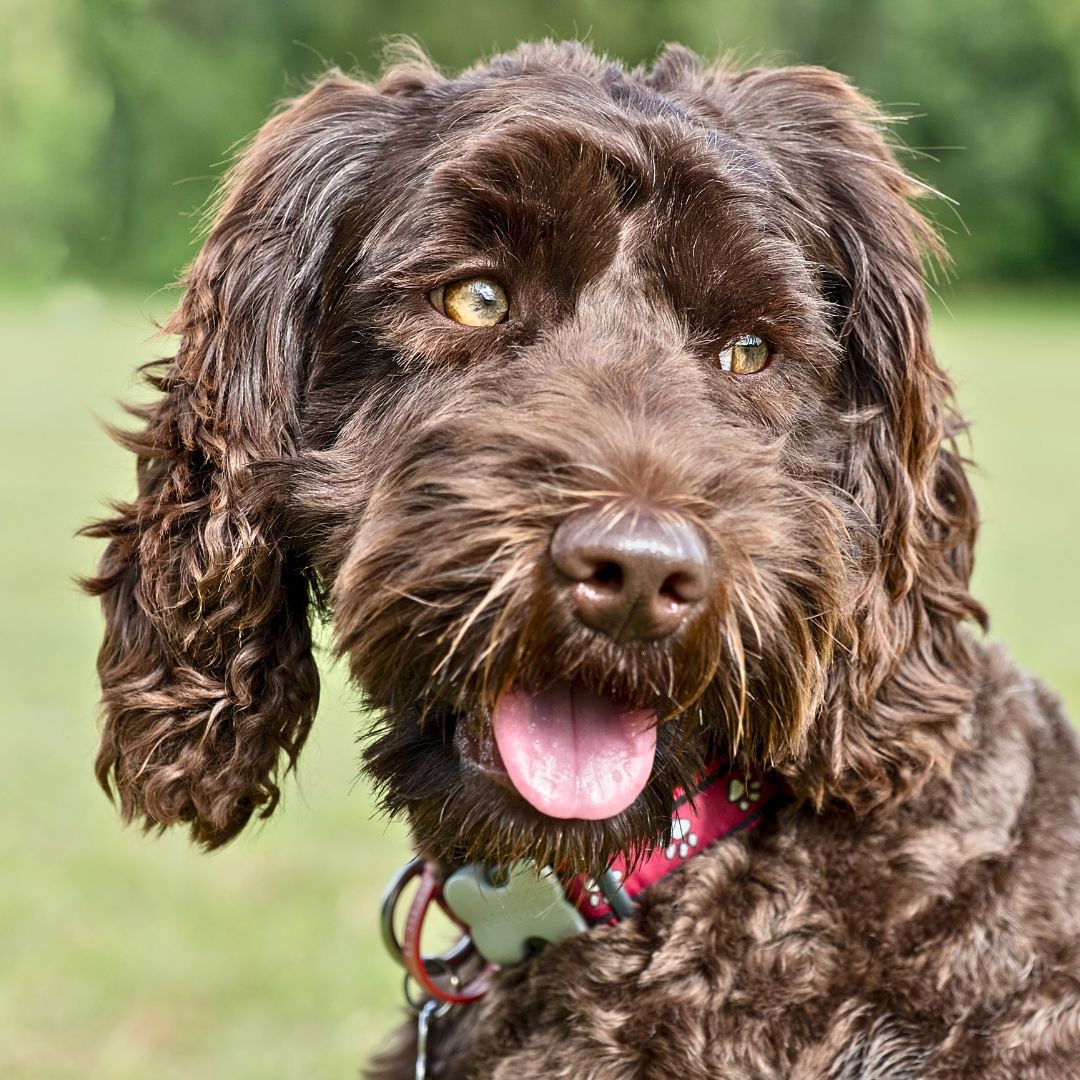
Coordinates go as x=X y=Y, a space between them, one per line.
x=683 y=838
x=725 y=800
x=743 y=793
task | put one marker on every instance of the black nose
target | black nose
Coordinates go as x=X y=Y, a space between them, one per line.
x=631 y=573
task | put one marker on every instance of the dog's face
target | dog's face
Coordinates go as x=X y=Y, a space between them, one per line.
x=599 y=410
x=573 y=428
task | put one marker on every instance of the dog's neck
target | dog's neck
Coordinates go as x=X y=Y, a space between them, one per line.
x=506 y=911
x=725 y=799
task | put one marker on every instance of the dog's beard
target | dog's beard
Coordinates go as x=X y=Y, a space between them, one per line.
x=438 y=754
x=448 y=606
x=458 y=816
x=744 y=679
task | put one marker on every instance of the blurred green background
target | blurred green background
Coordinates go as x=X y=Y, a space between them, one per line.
x=125 y=957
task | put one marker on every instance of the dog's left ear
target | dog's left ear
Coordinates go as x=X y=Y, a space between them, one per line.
x=206 y=667
x=899 y=697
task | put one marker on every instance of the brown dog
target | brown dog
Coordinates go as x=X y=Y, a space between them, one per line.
x=599 y=409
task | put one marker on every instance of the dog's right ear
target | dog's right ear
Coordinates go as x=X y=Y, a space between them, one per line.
x=206 y=666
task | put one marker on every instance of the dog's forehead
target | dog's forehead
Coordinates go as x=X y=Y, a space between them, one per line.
x=576 y=187
x=552 y=165
x=531 y=128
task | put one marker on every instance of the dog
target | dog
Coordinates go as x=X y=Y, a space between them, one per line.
x=597 y=409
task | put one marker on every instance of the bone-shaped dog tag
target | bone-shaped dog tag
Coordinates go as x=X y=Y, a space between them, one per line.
x=504 y=918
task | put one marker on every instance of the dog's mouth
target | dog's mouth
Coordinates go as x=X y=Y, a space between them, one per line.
x=568 y=751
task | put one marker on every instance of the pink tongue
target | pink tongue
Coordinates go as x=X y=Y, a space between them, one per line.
x=573 y=754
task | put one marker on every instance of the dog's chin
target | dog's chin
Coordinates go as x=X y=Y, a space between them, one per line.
x=529 y=782
x=491 y=823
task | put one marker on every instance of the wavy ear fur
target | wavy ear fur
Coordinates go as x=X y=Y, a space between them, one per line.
x=900 y=697
x=206 y=667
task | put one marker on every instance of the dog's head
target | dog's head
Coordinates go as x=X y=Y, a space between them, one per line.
x=598 y=409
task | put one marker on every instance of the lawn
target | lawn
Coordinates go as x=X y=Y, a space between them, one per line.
x=132 y=957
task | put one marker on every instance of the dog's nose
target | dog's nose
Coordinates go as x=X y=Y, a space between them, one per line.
x=632 y=574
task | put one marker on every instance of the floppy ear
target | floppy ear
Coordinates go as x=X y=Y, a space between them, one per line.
x=899 y=700
x=206 y=667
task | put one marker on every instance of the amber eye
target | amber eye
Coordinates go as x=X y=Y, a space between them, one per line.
x=745 y=355
x=473 y=302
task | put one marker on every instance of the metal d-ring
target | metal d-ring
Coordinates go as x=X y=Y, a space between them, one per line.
x=453 y=980
x=435 y=965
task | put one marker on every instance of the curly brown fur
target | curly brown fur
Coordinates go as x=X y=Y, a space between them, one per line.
x=324 y=435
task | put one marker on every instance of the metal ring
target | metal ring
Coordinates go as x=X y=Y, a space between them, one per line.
x=443 y=1006
x=391 y=896
x=461 y=951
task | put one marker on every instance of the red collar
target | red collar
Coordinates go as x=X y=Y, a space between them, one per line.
x=723 y=801
x=510 y=912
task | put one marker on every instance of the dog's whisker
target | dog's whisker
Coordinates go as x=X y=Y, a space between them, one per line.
x=501 y=635
x=444 y=606
x=497 y=587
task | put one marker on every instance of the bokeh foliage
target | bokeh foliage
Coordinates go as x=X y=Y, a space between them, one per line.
x=117 y=116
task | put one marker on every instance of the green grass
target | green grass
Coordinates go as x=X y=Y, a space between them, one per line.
x=1016 y=361
x=130 y=957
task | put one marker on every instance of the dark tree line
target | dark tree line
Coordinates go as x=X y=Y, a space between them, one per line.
x=117 y=116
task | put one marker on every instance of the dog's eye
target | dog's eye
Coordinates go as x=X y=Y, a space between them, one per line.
x=745 y=355
x=473 y=302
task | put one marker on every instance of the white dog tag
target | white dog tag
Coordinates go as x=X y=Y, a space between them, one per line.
x=505 y=918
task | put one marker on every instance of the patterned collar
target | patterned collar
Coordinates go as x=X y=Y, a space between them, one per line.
x=724 y=800
x=504 y=913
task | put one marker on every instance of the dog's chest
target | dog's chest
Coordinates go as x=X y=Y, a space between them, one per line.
x=929 y=943
x=736 y=964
